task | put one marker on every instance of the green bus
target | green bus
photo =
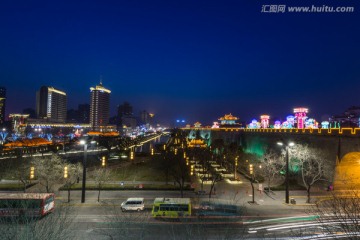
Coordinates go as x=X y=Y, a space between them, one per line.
x=171 y=207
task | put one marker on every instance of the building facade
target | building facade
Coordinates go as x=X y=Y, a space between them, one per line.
x=350 y=118
x=125 y=110
x=99 y=107
x=51 y=104
x=83 y=113
x=2 y=104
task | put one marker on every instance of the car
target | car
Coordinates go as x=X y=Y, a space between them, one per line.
x=201 y=192
x=206 y=206
x=133 y=204
x=216 y=209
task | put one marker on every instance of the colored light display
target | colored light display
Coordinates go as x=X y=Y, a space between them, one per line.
x=215 y=125
x=291 y=121
x=277 y=125
x=264 y=121
x=286 y=124
x=3 y=136
x=311 y=123
x=325 y=124
x=300 y=115
x=254 y=124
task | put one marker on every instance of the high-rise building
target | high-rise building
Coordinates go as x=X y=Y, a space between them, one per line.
x=2 y=104
x=83 y=113
x=125 y=110
x=99 y=107
x=146 y=118
x=51 y=104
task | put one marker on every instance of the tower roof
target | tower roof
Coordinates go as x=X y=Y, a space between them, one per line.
x=100 y=88
x=228 y=117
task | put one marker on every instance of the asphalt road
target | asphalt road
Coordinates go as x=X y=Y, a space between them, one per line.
x=104 y=219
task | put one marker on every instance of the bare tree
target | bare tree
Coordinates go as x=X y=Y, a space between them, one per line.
x=179 y=171
x=49 y=171
x=204 y=156
x=313 y=166
x=74 y=174
x=6 y=165
x=339 y=215
x=56 y=225
x=101 y=177
x=164 y=165
x=22 y=173
x=272 y=164
x=215 y=177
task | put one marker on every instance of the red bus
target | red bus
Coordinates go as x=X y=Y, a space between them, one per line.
x=26 y=204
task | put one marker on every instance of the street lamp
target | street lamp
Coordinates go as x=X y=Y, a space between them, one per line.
x=290 y=144
x=83 y=142
x=235 y=167
x=251 y=170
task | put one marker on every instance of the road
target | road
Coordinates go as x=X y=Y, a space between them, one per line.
x=104 y=220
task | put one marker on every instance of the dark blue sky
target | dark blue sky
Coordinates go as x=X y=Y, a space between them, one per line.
x=191 y=59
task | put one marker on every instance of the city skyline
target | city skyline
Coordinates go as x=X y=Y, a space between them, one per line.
x=183 y=60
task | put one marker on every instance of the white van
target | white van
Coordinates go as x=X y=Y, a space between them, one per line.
x=134 y=204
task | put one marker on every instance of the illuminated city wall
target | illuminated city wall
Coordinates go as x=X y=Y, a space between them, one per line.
x=347 y=173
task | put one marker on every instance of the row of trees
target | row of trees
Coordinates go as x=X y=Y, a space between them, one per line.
x=311 y=164
x=50 y=173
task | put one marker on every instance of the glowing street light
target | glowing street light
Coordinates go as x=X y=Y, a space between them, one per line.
x=103 y=161
x=32 y=172
x=235 y=167
x=65 y=172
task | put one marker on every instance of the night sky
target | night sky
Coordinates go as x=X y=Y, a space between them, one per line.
x=188 y=59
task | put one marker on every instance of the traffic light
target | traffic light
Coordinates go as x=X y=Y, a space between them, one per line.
x=236 y=162
x=192 y=170
x=251 y=169
x=65 y=172
x=184 y=154
x=103 y=161
x=152 y=151
x=175 y=151
x=131 y=155
x=32 y=172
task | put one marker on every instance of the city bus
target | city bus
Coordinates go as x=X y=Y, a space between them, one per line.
x=171 y=207
x=26 y=204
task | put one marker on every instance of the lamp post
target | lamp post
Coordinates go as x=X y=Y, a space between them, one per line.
x=290 y=144
x=251 y=170
x=83 y=142
x=235 y=167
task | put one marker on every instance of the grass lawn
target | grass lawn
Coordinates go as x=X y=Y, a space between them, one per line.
x=14 y=186
x=141 y=170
